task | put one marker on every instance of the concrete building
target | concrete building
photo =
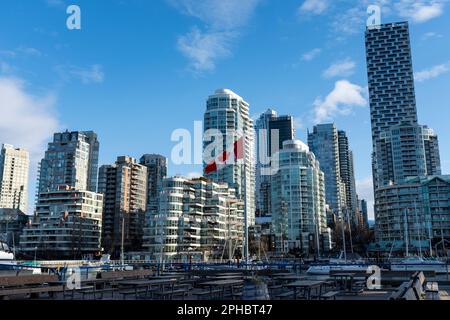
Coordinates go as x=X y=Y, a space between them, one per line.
x=14 y=170
x=156 y=173
x=402 y=149
x=324 y=143
x=12 y=222
x=362 y=208
x=197 y=219
x=269 y=126
x=416 y=214
x=124 y=185
x=407 y=150
x=228 y=113
x=347 y=174
x=398 y=140
x=71 y=159
x=67 y=225
x=391 y=84
x=298 y=201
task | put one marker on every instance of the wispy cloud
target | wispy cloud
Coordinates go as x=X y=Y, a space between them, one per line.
x=430 y=35
x=203 y=49
x=87 y=75
x=339 y=101
x=56 y=3
x=222 y=22
x=432 y=72
x=343 y=68
x=28 y=51
x=310 y=55
x=420 y=10
x=316 y=7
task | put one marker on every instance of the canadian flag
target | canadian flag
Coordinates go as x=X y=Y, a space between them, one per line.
x=233 y=154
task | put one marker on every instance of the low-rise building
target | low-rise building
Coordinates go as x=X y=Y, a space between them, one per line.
x=414 y=215
x=12 y=222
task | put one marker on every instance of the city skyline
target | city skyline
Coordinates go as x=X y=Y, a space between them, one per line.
x=83 y=83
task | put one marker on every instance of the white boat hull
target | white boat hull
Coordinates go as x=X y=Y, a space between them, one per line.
x=420 y=267
x=326 y=269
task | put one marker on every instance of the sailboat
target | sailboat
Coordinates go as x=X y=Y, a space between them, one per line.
x=418 y=263
x=339 y=264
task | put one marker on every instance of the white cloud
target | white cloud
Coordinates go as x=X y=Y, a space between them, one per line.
x=218 y=14
x=310 y=55
x=420 y=10
x=26 y=121
x=193 y=175
x=316 y=7
x=432 y=72
x=343 y=68
x=222 y=21
x=87 y=75
x=203 y=49
x=340 y=101
x=364 y=189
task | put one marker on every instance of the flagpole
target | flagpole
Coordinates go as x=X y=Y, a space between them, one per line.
x=245 y=215
x=245 y=207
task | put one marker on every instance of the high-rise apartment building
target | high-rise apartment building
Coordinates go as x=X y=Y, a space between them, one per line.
x=402 y=149
x=347 y=173
x=67 y=225
x=407 y=150
x=14 y=170
x=197 y=219
x=393 y=109
x=71 y=159
x=298 y=201
x=324 y=143
x=156 y=173
x=124 y=186
x=269 y=126
x=228 y=113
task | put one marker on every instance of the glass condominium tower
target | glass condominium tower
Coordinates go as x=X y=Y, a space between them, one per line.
x=271 y=131
x=229 y=113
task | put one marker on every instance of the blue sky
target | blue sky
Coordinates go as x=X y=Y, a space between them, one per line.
x=139 y=69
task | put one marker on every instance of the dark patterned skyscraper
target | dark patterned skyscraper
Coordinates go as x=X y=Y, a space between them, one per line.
x=393 y=106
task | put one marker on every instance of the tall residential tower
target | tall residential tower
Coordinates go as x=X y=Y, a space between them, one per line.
x=228 y=113
x=14 y=168
x=72 y=160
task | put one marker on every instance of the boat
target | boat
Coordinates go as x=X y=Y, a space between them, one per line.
x=342 y=263
x=7 y=261
x=420 y=264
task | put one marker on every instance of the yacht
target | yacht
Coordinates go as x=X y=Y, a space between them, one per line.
x=341 y=263
x=7 y=261
x=420 y=264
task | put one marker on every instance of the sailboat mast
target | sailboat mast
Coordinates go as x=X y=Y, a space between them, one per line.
x=406 y=233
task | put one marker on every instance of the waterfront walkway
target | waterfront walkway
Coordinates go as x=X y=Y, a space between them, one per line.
x=225 y=284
